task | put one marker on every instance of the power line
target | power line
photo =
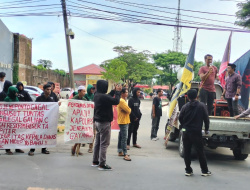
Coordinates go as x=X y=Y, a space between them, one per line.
x=120 y=2
x=184 y=21
x=175 y=13
x=172 y=25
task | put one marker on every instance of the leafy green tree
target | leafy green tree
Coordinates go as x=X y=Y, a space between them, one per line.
x=60 y=72
x=243 y=14
x=47 y=64
x=115 y=70
x=139 y=65
x=40 y=67
x=169 y=62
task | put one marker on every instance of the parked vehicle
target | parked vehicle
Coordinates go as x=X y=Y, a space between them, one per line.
x=33 y=94
x=34 y=88
x=65 y=93
x=223 y=131
x=142 y=95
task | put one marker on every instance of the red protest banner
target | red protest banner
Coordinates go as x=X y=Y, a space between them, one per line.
x=28 y=125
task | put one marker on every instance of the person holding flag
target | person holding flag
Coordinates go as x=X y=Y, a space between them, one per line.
x=208 y=74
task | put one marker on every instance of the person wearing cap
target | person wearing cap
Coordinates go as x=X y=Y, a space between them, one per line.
x=2 y=76
x=79 y=96
x=90 y=97
x=232 y=89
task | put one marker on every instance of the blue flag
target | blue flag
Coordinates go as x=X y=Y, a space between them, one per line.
x=186 y=77
x=243 y=68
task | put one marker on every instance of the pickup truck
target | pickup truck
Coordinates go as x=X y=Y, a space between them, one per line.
x=224 y=131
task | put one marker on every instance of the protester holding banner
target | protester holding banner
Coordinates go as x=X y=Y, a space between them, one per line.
x=2 y=76
x=90 y=97
x=123 y=121
x=208 y=74
x=23 y=96
x=135 y=117
x=52 y=94
x=12 y=97
x=232 y=90
x=103 y=116
x=6 y=86
x=79 y=96
x=45 y=97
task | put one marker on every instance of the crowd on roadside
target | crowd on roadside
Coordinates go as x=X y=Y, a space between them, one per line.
x=192 y=115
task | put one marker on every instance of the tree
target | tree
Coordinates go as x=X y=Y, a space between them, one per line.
x=243 y=14
x=60 y=72
x=47 y=64
x=115 y=70
x=169 y=62
x=138 y=67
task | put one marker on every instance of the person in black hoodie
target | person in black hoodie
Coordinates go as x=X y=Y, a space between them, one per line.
x=135 y=116
x=103 y=115
x=191 y=118
x=23 y=96
x=6 y=86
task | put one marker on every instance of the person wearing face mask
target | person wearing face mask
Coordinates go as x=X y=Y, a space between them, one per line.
x=6 y=86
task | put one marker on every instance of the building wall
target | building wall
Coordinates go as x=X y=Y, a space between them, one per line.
x=6 y=51
x=26 y=72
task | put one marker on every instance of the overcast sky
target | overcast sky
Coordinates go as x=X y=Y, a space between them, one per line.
x=95 y=39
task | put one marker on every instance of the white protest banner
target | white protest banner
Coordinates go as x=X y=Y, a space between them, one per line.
x=79 y=122
x=28 y=124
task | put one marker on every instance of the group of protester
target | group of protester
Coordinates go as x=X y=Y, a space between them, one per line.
x=192 y=114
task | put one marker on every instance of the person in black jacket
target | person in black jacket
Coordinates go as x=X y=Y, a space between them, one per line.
x=45 y=97
x=23 y=96
x=52 y=95
x=103 y=115
x=191 y=118
x=6 y=86
x=135 y=116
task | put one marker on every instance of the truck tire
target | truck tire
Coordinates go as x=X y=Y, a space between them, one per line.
x=238 y=155
x=181 y=147
x=172 y=137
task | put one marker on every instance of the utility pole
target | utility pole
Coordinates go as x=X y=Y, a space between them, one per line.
x=177 y=44
x=66 y=27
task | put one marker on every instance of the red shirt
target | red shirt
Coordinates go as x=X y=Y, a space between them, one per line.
x=209 y=82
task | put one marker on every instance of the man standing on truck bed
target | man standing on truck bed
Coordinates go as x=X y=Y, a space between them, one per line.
x=232 y=89
x=208 y=74
x=191 y=118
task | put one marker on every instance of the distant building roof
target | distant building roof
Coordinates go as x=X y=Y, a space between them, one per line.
x=91 y=69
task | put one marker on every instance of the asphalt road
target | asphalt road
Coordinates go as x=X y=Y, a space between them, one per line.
x=152 y=167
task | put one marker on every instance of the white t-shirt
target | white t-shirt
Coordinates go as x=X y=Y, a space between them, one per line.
x=1 y=85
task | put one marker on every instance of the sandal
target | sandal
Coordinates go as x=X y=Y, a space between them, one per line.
x=136 y=146
x=90 y=150
x=9 y=152
x=31 y=153
x=126 y=158
x=121 y=154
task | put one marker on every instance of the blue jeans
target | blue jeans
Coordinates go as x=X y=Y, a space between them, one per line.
x=122 y=138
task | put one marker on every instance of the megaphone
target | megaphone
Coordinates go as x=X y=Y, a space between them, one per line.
x=180 y=72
